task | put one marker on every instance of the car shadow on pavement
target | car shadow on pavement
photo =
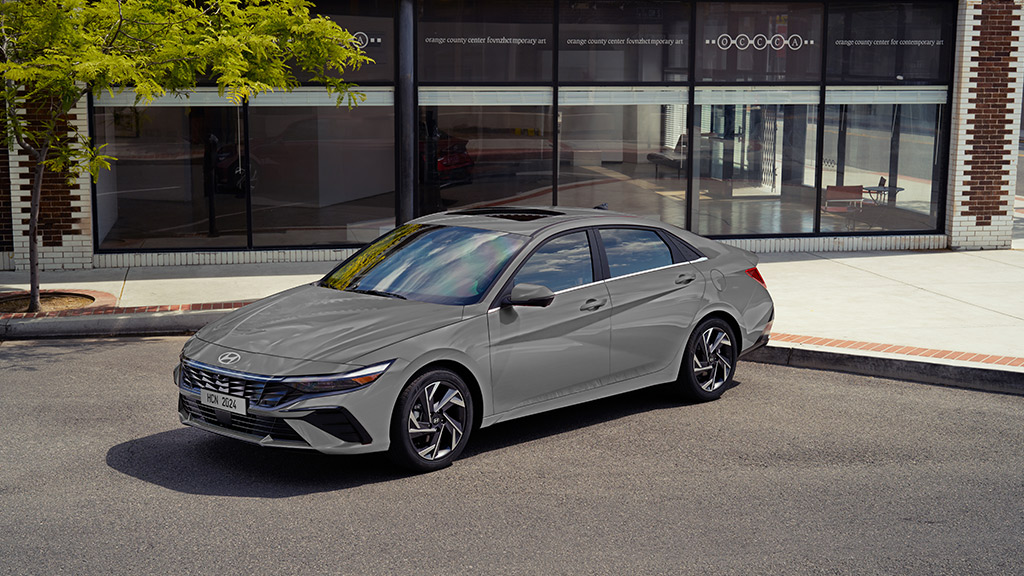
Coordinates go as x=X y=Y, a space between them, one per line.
x=196 y=462
x=522 y=430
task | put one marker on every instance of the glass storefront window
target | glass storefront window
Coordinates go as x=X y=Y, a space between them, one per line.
x=493 y=41
x=176 y=182
x=871 y=42
x=625 y=148
x=614 y=41
x=480 y=147
x=318 y=174
x=883 y=162
x=759 y=42
x=743 y=158
x=321 y=174
x=755 y=161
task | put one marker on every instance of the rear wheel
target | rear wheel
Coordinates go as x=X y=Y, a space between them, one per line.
x=431 y=422
x=709 y=361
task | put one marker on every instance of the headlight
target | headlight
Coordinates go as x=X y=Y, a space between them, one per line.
x=336 y=382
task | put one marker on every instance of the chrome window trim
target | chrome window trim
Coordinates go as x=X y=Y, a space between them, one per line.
x=562 y=291
x=580 y=287
x=607 y=280
x=666 y=267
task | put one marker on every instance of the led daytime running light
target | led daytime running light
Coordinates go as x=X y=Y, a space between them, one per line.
x=336 y=382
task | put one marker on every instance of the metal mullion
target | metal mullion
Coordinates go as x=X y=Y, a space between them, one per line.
x=246 y=165
x=406 y=110
x=555 y=113
x=819 y=153
x=691 y=117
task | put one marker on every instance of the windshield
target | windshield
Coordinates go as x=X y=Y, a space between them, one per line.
x=429 y=263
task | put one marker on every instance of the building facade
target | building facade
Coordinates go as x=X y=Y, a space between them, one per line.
x=776 y=126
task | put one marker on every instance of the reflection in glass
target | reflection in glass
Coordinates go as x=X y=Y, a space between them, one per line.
x=631 y=157
x=616 y=41
x=176 y=182
x=485 y=156
x=887 y=155
x=560 y=264
x=755 y=164
x=438 y=264
x=632 y=250
x=321 y=175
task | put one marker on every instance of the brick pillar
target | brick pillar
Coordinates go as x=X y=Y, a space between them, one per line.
x=986 y=124
x=65 y=221
x=6 y=221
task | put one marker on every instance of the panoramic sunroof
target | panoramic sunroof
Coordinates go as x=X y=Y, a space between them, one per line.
x=520 y=214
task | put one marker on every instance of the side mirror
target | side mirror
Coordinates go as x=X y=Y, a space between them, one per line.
x=530 y=295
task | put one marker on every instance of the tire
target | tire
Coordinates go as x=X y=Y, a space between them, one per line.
x=709 y=361
x=431 y=423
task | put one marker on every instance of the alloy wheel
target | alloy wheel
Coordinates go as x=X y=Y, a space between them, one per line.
x=712 y=364
x=437 y=420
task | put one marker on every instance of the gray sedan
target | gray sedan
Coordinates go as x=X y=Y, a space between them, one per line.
x=461 y=320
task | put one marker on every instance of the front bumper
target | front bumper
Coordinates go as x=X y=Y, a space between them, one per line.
x=316 y=429
x=270 y=418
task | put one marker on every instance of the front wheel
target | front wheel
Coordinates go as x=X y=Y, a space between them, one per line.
x=431 y=422
x=708 y=361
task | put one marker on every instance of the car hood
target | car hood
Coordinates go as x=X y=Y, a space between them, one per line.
x=317 y=323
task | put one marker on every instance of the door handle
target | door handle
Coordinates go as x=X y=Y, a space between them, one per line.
x=593 y=304
x=685 y=278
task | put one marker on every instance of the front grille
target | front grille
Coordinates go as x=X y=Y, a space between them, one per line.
x=259 y=393
x=259 y=426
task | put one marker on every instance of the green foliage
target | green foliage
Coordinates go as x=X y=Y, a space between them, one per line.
x=52 y=52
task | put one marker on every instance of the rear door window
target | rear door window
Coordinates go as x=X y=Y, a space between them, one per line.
x=632 y=250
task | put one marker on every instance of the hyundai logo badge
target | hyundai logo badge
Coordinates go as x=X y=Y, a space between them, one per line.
x=229 y=358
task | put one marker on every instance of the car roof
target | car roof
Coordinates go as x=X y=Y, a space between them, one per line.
x=531 y=220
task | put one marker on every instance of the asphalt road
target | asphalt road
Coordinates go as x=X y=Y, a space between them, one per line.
x=792 y=471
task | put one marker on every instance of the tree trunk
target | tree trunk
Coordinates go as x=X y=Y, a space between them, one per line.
x=34 y=305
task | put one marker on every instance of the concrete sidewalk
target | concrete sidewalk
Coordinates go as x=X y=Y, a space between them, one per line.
x=916 y=311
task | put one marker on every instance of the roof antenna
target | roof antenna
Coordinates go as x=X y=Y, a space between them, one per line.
x=602 y=206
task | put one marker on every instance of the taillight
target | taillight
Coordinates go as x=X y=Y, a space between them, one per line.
x=753 y=273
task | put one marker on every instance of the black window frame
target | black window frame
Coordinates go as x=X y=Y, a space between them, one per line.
x=595 y=265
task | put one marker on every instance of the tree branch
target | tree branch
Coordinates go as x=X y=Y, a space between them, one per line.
x=120 y=22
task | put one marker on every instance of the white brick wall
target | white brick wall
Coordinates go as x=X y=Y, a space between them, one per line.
x=842 y=243
x=218 y=258
x=966 y=231
x=76 y=250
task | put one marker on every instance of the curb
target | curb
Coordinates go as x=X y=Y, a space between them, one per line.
x=965 y=377
x=175 y=323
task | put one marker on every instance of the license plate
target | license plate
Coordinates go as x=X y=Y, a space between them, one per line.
x=233 y=404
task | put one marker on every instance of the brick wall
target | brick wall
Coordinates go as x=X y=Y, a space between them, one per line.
x=6 y=231
x=986 y=124
x=65 y=225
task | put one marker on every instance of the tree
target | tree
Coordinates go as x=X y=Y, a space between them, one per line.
x=54 y=52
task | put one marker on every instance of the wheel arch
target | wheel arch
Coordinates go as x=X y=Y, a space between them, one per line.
x=731 y=321
x=467 y=376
